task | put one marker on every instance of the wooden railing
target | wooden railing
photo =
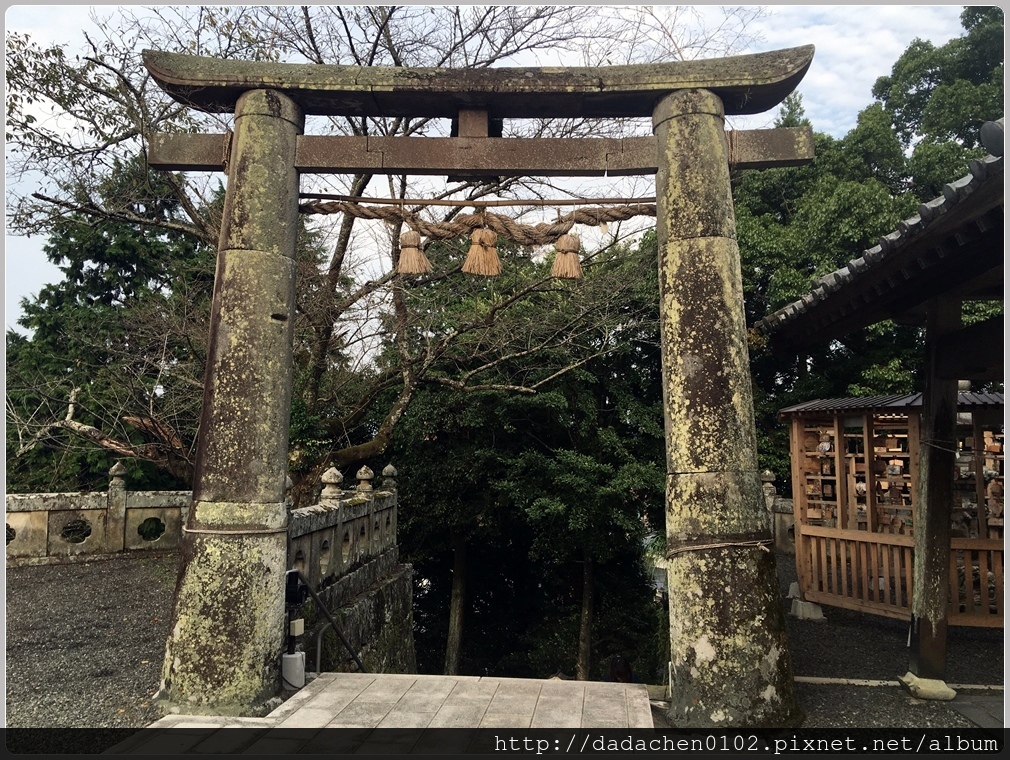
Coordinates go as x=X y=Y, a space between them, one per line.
x=872 y=572
x=976 y=582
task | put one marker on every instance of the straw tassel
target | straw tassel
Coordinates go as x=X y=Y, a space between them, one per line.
x=566 y=263
x=412 y=258
x=482 y=258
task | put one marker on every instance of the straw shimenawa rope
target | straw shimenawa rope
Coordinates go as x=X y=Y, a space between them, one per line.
x=463 y=225
x=762 y=543
x=482 y=258
x=412 y=258
x=566 y=262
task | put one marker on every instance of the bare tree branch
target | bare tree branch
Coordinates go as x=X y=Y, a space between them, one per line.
x=363 y=332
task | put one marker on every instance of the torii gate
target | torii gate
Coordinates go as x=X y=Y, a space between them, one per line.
x=728 y=646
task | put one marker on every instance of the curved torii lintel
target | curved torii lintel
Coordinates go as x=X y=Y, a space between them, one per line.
x=747 y=84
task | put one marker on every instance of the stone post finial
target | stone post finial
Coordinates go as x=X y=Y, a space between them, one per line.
x=115 y=519
x=331 y=484
x=116 y=472
x=364 y=477
x=389 y=477
x=768 y=480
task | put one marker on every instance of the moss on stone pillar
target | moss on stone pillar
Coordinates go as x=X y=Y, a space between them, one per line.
x=731 y=665
x=223 y=653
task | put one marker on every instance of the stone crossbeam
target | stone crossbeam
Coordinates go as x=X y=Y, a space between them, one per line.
x=746 y=84
x=484 y=156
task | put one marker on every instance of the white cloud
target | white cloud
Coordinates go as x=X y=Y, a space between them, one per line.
x=854 y=46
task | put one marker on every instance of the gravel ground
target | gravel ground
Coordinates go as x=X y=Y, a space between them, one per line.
x=85 y=644
x=856 y=645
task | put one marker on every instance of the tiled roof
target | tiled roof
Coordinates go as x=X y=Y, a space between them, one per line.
x=984 y=172
x=966 y=402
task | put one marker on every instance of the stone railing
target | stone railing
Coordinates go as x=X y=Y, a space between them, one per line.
x=330 y=540
x=346 y=533
x=346 y=548
x=63 y=527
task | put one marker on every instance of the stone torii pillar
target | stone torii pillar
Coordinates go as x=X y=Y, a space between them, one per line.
x=729 y=651
x=223 y=652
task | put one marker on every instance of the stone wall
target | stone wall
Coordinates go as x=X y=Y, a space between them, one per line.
x=783 y=526
x=781 y=515
x=345 y=546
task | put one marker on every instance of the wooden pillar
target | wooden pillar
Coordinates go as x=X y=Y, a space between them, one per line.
x=981 y=518
x=730 y=656
x=935 y=494
x=223 y=654
x=871 y=474
x=801 y=557
x=841 y=481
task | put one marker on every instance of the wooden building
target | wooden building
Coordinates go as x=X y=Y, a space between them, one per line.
x=922 y=273
x=855 y=466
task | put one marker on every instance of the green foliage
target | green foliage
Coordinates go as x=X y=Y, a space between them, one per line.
x=535 y=481
x=939 y=98
x=842 y=218
x=629 y=622
x=932 y=165
x=945 y=93
x=29 y=69
x=978 y=311
x=885 y=379
x=112 y=339
x=791 y=112
x=797 y=224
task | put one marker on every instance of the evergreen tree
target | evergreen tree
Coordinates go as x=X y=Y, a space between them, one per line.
x=114 y=352
x=797 y=224
x=558 y=487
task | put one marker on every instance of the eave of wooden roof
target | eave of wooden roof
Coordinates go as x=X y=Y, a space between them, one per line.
x=953 y=245
x=966 y=402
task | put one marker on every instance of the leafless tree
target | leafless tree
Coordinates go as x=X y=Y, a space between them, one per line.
x=75 y=120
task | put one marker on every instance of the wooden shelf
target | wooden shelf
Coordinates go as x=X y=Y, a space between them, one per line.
x=885 y=519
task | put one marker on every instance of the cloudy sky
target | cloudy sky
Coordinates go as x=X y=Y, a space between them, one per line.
x=854 y=45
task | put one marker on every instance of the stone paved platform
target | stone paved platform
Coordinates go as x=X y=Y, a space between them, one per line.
x=985 y=710
x=366 y=702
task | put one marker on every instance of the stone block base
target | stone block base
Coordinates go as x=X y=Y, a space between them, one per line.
x=926 y=688
x=807 y=611
x=378 y=623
